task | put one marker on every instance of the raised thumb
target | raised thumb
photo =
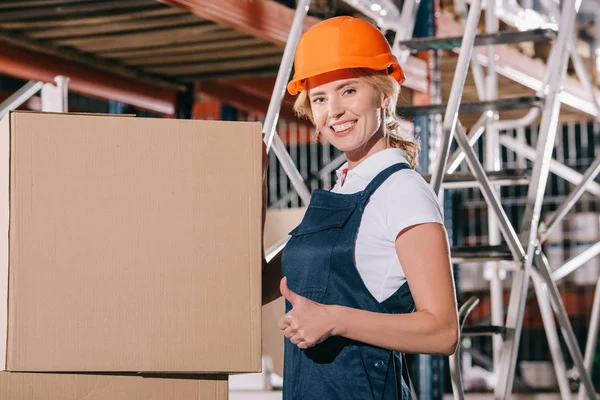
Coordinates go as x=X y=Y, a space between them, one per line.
x=290 y=296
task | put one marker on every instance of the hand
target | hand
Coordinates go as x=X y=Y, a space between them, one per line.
x=308 y=323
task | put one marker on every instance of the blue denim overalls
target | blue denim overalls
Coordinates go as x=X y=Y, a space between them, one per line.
x=319 y=264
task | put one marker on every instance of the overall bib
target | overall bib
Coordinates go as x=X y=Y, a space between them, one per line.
x=319 y=264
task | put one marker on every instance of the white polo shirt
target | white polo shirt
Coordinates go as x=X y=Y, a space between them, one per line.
x=403 y=200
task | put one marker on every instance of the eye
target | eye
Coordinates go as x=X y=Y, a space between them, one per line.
x=318 y=99
x=349 y=91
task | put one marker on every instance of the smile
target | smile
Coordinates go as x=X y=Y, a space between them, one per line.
x=342 y=128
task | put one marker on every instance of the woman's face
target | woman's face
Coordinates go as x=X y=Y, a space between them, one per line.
x=348 y=113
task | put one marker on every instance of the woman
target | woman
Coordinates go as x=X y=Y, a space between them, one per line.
x=348 y=266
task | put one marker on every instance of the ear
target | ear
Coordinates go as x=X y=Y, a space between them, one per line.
x=385 y=101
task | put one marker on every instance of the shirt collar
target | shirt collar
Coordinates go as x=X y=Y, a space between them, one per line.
x=375 y=163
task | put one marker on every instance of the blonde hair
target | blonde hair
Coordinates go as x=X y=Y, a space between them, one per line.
x=388 y=86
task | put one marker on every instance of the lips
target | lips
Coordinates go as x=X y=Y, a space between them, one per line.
x=342 y=127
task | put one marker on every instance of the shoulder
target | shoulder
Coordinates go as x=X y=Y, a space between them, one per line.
x=409 y=184
x=409 y=200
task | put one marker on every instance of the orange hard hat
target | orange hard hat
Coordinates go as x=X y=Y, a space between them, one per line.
x=340 y=43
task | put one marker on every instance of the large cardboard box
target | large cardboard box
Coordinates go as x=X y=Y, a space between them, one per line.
x=130 y=244
x=32 y=386
x=278 y=224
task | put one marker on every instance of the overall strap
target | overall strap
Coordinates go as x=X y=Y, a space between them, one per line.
x=382 y=176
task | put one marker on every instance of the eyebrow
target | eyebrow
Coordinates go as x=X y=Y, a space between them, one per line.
x=352 y=82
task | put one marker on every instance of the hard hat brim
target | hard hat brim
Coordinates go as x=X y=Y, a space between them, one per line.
x=389 y=64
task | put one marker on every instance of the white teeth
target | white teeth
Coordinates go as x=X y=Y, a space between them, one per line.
x=343 y=127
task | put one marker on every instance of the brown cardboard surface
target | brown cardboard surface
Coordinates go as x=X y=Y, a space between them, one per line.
x=32 y=386
x=4 y=194
x=134 y=244
x=278 y=224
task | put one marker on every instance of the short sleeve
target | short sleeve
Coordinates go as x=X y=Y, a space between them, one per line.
x=410 y=201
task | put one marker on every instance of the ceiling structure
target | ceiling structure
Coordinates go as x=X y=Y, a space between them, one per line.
x=145 y=52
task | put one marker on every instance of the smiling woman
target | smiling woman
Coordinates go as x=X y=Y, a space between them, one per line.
x=366 y=275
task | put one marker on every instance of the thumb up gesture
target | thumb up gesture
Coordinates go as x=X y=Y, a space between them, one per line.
x=308 y=323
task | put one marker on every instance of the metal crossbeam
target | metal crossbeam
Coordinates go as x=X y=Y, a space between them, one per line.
x=474 y=107
x=450 y=43
x=558 y=215
x=484 y=330
x=461 y=180
x=473 y=254
x=556 y=167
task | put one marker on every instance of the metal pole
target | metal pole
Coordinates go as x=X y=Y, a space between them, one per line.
x=557 y=168
x=577 y=261
x=592 y=339
x=269 y=129
x=583 y=76
x=556 y=73
x=492 y=163
x=458 y=83
x=476 y=68
x=541 y=291
x=553 y=220
x=55 y=96
x=321 y=174
x=405 y=27
x=522 y=122
x=548 y=127
x=332 y=166
x=563 y=319
x=290 y=169
x=19 y=97
x=552 y=8
x=276 y=248
x=520 y=285
x=285 y=69
x=479 y=127
x=455 y=375
x=474 y=134
x=489 y=195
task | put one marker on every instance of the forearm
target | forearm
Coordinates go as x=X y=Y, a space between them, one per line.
x=418 y=332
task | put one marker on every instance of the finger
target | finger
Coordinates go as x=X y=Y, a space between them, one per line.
x=303 y=345
x=284 y=322
x=289 y=332
x=296 y=339
x=290 y=296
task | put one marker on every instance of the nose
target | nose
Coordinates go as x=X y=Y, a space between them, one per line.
x=336 y=108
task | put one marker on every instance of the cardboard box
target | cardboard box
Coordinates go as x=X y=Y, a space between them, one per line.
x=131 y=244
x=31 y=386
x=278 y=224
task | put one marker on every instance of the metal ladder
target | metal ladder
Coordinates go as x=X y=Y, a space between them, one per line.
x=524 y=248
